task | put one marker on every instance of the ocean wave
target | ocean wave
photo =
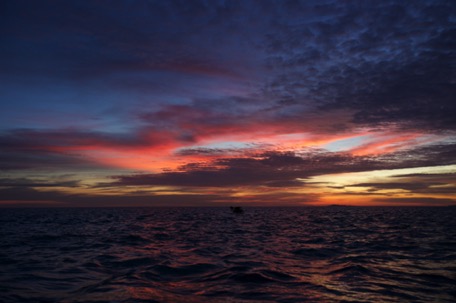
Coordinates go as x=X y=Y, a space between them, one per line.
x=209 y=255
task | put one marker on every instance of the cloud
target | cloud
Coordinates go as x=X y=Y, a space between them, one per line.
x=243 y=119
x=214 y=152
x=73 y=148
x=428 y=155
x=30 y=139
x=228 y=93
x=284 y=168
x=27 y=182
x=424 y=201
x=39 y=160
x=267 y=169
x=381 y=63
x=29 y=149
x=271 y=176
x=393 y=185
x=94 y=41
x=387 y=61
x=225 y=172
x=412 y=186
x=30 y=197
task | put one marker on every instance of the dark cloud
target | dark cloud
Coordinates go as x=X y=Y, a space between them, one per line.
x=61 y=149
x=81 y=39
x=29 y=197
x=170 y=75
x=268 y=169
x=39 y=160
x=418 y=200
x=283 y=168
x=239 y=116
x=430 y=183
x=444 y=176
x=26 y=182
x=412 y=187
x=389 y=61
x=46 y=140
x=429 y=155
x=394 y=185
x=210 y=151
x=30 y=149
x=23 y=196
x=265 y=169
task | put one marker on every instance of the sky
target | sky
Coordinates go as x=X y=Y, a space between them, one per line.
x=216 y=103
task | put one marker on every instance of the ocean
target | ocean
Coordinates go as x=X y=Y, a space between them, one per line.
x=308 y=254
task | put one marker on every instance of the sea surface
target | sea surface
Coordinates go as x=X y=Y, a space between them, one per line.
x=309 y=254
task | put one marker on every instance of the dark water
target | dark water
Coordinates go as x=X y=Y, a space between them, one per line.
x=211 y=255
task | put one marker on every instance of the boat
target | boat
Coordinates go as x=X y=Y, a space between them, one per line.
x=236 y=210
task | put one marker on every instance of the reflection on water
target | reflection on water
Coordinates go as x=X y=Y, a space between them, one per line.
x=213 y=255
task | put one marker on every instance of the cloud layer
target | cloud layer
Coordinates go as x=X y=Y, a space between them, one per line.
x=223 y=95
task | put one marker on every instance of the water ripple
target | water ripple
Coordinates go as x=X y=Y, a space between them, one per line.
x=211 y=255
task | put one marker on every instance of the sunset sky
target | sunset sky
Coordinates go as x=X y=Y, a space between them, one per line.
x=216 y=103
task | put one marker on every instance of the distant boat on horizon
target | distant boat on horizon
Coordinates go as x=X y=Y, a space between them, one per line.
x=236 y=210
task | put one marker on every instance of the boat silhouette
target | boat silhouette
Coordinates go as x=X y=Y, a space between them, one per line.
x=236 y=210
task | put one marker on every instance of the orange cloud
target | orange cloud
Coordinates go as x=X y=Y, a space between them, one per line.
x=387 y=143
